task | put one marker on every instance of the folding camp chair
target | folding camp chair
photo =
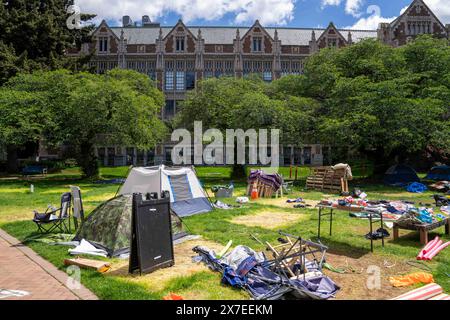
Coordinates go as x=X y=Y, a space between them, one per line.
x=55 y=219
x=77 y=208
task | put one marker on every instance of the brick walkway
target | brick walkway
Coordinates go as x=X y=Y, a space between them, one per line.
x=22 y=269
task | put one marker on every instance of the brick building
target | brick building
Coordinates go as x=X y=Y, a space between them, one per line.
x=178 y=56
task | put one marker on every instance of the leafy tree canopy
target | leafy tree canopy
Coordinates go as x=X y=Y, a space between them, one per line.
x=83 y=109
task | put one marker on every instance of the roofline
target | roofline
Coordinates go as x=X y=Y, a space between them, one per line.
x=239 y=27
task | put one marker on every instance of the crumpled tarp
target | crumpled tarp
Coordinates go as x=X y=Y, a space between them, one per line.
x=249 y=270
x=416 y=187
x=272 y=180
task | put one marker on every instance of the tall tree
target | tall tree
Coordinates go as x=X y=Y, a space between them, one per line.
x=34 y=36
x=229 y=103
x=120 y=107
x=37 y=30
x=22 y=119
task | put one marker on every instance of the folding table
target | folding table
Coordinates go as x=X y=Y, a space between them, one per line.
x=330 y=213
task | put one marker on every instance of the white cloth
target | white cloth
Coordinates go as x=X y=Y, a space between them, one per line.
x=86 y=248
x=242 y=200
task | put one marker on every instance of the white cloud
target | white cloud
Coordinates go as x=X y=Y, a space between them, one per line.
x=441 y=9
x=278 y=12
x=331 y=3
x=352 y=7
x=371 y=22
x=403 y=10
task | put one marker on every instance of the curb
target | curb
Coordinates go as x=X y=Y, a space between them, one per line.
x=83 y=293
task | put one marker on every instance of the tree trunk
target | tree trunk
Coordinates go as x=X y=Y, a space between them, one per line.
x=87 y=160
x=238 y=172
x=380 y=162
x=12 y=165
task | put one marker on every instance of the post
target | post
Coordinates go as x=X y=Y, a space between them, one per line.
x=320 y=220
x=396 y=232
x=423 y=236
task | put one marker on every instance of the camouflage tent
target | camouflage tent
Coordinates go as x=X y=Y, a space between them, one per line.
x=109 y=226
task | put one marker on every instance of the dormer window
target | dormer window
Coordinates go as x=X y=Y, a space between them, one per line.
x=257 y=44
x=103 y=44
x=179 y=44
x=332 y=42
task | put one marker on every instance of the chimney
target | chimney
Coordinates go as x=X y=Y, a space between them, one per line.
x=145 y=20
x=313 y=47
x=127 y=22
x=383 y=32
x=147 y=23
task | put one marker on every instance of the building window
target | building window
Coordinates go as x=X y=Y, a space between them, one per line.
x=267 y=76
x=190 y=80
x=180 y=83
x=257 y=44
x=332 y=43
x=169 y=109
x=169 y=80
x=103 y=44
x=179 y=44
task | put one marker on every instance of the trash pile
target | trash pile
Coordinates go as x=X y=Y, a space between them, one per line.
x=293 y=272
x=406 y=211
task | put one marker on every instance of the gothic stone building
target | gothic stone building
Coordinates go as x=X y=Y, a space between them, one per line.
x=179 y=56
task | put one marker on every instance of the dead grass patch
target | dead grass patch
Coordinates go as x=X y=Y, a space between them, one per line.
x=184 y=266
x=268 y=219
x=354 y=286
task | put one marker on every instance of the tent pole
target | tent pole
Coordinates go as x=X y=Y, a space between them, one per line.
x=120 y=186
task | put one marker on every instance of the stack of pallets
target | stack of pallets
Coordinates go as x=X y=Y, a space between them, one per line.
x=327 y=179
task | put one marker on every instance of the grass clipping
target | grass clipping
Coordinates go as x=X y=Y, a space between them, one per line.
x=268 y=219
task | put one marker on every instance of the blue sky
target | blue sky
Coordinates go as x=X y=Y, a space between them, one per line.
x=358 y=14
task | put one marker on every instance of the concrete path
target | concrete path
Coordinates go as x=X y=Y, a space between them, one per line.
x=22 y=269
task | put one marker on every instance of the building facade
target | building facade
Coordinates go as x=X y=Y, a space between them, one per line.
x=177 y=57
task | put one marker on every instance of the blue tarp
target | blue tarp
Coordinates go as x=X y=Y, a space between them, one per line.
x=440 y=173
x=265 y=282
x=416 y=187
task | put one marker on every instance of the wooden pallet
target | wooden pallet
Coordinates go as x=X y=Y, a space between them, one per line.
x=327 y=179
x=264 y=191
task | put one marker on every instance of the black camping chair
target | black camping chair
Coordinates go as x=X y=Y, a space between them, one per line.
x=55 y=219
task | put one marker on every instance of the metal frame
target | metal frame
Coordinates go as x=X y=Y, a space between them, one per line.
x=372 y=221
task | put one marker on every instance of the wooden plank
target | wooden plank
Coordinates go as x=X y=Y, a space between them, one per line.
x=100 y=266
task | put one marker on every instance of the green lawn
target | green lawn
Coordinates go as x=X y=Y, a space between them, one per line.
x=17 y=203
